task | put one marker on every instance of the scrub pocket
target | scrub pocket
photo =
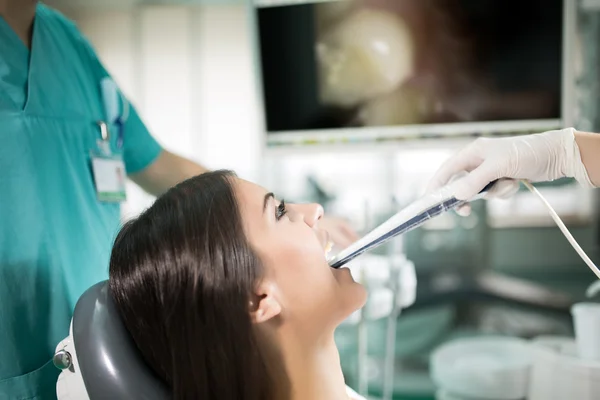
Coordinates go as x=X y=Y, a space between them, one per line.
x=36 y=385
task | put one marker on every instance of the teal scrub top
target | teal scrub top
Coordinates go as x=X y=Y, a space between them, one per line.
x=55 y=236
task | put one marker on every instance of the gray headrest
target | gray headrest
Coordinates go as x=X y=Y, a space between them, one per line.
x=110 y=363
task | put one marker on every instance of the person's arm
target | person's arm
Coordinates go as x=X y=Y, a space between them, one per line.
x=166 y=171
x=589 y=147
x=537 y=158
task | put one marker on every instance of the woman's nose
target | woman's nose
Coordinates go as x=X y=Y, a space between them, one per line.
x=311 y=213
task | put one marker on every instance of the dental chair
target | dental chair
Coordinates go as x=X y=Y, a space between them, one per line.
x=112 y=368
x=99 y=359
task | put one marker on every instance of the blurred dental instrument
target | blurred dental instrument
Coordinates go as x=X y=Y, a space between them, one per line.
x=411 y=217
x=432 y=205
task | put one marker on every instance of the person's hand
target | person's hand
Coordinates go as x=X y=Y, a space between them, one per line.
x=542 y=157
x=340 y=231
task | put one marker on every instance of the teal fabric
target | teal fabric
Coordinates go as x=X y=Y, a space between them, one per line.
x=55 y=237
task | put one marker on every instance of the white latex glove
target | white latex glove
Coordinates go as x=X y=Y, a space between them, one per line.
x=538 y=158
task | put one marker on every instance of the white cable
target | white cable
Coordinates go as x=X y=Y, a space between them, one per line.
x=565 y=231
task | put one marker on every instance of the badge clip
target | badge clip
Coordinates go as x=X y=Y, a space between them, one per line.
x=104 y=141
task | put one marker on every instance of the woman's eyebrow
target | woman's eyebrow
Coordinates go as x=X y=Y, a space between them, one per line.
x=268 y=197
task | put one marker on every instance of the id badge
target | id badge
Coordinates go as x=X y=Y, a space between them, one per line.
x=109 y=174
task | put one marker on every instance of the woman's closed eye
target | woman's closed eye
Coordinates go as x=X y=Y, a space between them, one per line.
x=280 y=211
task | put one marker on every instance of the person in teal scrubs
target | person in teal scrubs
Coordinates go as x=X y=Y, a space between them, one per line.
x=55 y=233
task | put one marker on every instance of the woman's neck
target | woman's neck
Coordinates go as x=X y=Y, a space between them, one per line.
x=19 y=15
x=312 y=367
x=316 y=373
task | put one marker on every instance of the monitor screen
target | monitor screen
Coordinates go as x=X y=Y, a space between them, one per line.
x=385 y=63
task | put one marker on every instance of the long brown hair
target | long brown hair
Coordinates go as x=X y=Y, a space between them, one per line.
x=182 y=275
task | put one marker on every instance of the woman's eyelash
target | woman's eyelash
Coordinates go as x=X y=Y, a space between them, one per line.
x=280 y=211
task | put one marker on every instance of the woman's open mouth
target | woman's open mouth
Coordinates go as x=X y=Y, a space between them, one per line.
x=328 y=245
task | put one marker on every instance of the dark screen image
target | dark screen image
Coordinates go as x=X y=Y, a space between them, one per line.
x=403 y=62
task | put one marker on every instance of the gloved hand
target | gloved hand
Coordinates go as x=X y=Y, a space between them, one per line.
x=542 y=157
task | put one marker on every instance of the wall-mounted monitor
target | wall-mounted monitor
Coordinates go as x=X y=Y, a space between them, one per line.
x=381 y=70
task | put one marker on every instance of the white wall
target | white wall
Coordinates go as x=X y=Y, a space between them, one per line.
x=189 y=71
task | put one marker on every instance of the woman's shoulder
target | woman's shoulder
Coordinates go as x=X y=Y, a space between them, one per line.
x=353 y=395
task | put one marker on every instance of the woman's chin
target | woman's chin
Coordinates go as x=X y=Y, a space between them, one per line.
x=361 y=296
x=354 y=293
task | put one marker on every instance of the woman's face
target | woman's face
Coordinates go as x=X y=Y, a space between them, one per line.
x=292 y=248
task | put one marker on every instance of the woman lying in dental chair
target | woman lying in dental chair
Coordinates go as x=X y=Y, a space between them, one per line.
x=228 y=295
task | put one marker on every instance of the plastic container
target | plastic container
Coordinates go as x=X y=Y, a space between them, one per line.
x=546 y=353
x=586 y=318
x=559 y=374
x=490 y=368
